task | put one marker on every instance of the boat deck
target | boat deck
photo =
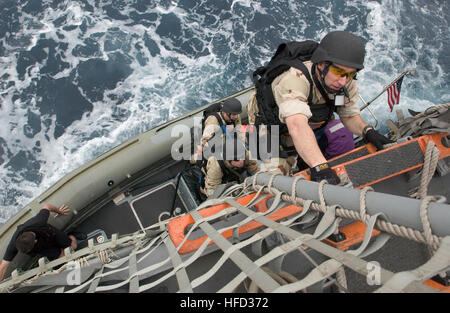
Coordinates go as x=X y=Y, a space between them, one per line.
x=149 y=199
x=156 y=194
x=141 y=205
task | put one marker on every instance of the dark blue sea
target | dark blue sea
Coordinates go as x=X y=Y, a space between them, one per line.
x=79 y=77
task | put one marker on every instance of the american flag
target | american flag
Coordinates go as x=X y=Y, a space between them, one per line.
x=394 y=93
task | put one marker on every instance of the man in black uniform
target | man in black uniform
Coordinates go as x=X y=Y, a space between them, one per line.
x=37 y=237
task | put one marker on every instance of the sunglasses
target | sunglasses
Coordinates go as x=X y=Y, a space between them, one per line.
x=341 y=72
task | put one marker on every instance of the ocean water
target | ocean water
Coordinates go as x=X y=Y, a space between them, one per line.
x=79 y=77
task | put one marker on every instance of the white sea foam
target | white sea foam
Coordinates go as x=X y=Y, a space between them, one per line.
x=388 y=55
x=174 y=81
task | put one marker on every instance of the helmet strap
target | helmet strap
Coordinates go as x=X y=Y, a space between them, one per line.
x=322 y=74
x=229 y=121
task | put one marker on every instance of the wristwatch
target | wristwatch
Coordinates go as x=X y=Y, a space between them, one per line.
x=320 y=167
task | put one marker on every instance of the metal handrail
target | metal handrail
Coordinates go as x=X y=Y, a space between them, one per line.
x=370 y=111
x=366 y=104
x=407 y=72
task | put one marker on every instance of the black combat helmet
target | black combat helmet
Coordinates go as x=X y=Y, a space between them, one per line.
x=232 y=106
x=342 y=48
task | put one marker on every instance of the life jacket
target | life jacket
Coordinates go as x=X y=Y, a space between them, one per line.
x=288 y=55
x=214 y=109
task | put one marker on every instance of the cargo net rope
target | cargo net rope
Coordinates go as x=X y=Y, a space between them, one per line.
x=263 y=274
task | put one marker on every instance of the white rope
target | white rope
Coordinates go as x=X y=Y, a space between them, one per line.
x=272 y=178
x=382 y=225
x=294 y=188
x=429 y=167
x=364 y=217
x=105 y=256
x=432 y=241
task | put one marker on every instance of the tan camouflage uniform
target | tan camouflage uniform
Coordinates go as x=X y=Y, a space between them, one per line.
x=291 y=90
x=214 y=175
x=212 y=126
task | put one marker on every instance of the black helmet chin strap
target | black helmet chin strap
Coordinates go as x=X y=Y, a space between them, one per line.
x=322 y=75
x=230 y=121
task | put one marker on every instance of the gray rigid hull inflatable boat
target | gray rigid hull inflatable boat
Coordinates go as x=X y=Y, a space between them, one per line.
x=147 y=232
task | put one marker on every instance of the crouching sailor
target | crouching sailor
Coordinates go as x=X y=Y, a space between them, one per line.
x=226 y=168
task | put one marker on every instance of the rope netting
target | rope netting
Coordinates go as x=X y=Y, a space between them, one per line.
x=131 y=262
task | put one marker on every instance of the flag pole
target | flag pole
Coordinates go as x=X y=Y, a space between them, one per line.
x=366 y=104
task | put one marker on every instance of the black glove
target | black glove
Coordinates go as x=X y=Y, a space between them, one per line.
x=323 y=171
x=371 y=135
